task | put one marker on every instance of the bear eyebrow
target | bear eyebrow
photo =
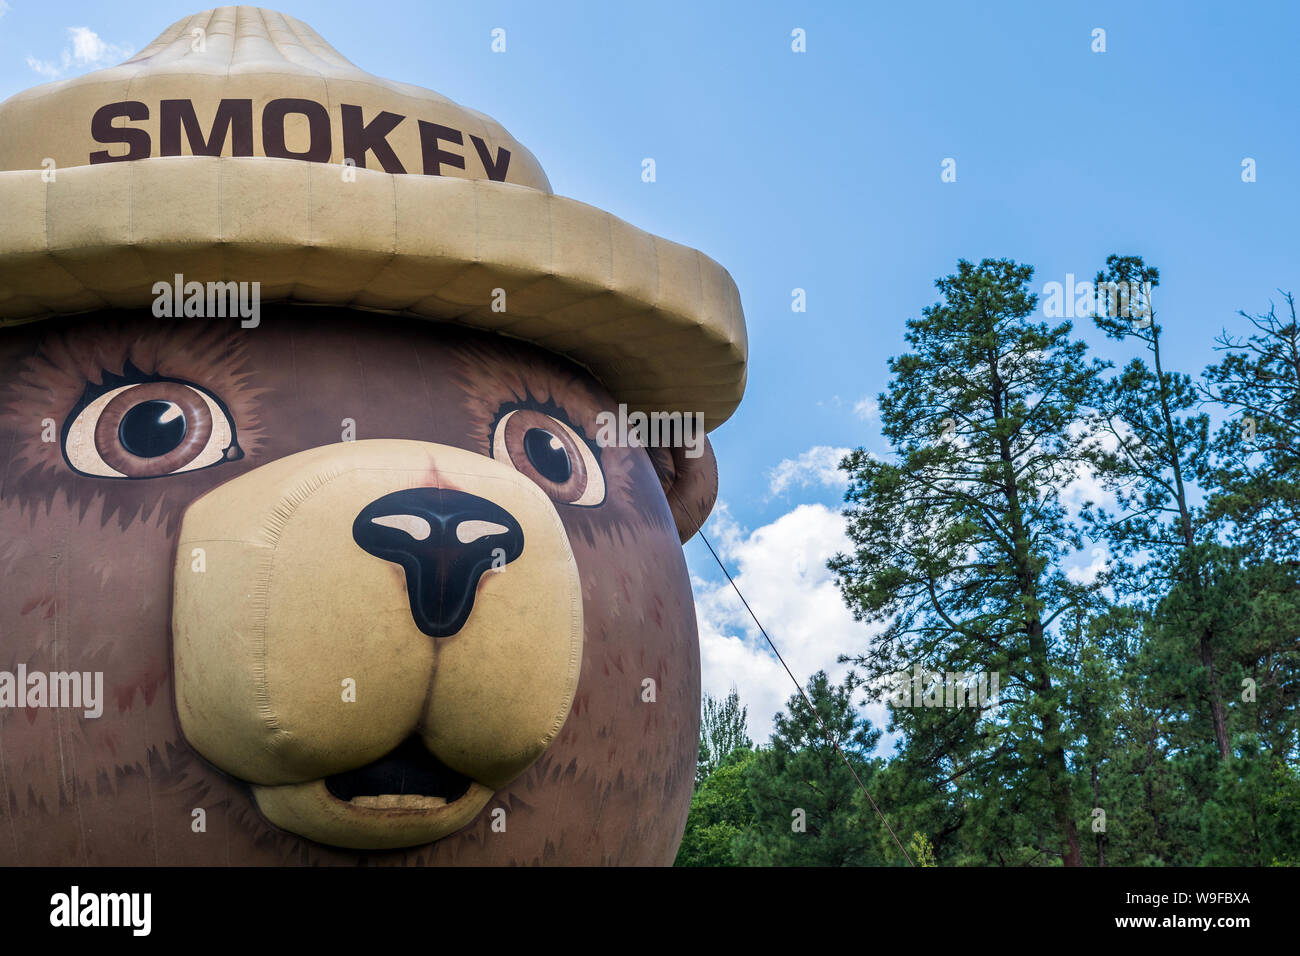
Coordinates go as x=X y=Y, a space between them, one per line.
x=109 y=380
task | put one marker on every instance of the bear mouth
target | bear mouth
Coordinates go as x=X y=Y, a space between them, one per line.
x=408 y=778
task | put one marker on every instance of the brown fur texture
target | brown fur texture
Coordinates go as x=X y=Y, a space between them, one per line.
x=87 y=569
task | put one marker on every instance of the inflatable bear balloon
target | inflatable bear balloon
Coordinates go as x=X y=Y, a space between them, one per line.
x=345 y=472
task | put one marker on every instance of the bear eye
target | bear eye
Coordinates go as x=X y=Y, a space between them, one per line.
x=148 y=430
x=552 y=454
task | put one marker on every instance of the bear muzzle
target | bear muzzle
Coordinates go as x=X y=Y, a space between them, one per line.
x=376 y=635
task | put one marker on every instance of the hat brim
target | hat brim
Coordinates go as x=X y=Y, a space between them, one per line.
x=658 y=323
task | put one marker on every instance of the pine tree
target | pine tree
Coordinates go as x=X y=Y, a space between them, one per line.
x=1158 y=450
x=807 y=807
x=958 y=541
x=1254 y=497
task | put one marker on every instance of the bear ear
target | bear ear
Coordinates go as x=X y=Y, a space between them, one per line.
x=689 y=483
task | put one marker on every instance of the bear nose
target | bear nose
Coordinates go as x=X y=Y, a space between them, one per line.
x=445 y=540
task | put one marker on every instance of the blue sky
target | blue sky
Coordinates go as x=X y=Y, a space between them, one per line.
x=821 y=170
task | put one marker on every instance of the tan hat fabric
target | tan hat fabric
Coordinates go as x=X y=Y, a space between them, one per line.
x=240 y=146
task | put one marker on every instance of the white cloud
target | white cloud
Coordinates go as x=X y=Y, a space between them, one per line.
x=4 y=8
x=1083 y=487
x=866 y=408
x=817 y=466
x=43 y=67
x=1086 y=574
x=86 y=50
x=1083 y=484
x=781 y=570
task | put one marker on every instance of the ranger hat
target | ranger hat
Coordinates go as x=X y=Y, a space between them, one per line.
x=240 y=146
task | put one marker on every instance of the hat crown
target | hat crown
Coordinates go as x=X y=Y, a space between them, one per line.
x=244 y=81
x=246 y=35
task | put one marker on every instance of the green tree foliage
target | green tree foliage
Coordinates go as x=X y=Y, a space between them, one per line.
x=920 y=849
x=720 y=813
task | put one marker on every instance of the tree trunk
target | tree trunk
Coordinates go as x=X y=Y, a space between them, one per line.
x=1216 y=701
x=1058 y=773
